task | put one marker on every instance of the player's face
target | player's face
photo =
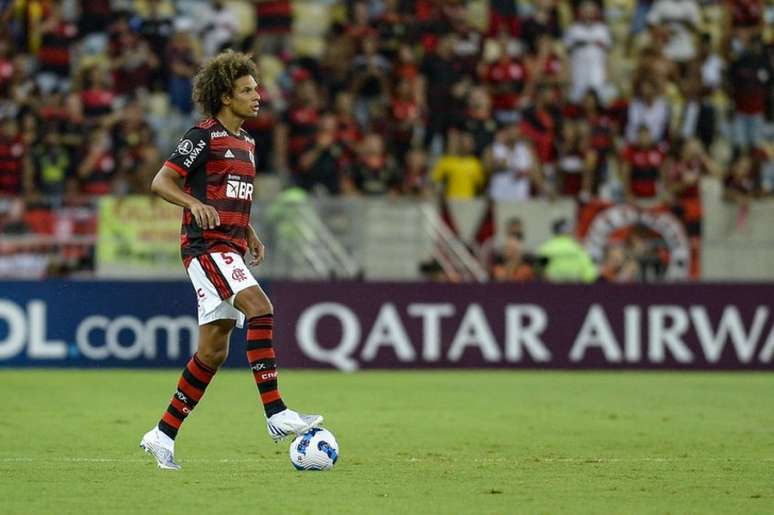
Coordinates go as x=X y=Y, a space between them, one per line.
x=245 y=100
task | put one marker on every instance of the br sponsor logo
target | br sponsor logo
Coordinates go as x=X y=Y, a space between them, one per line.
x=448 y=335
x=96 y=337
x=218 y=134
x=238 y=189
x=193 y=153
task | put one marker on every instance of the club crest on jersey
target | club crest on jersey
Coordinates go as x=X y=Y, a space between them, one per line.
x=218 y=134
x=236 y=188
x=185 y=147
x=193 y=153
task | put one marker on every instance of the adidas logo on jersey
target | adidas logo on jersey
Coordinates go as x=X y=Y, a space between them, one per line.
x=240 y=190
x=229 y=154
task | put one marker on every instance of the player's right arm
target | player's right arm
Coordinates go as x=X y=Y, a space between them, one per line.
x=188 y=158
x=166 y=184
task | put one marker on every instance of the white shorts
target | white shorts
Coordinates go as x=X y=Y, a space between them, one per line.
x=217 y=278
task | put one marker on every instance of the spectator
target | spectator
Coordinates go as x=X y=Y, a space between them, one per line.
x=654 y=66
x=14 y=223
x=503 y=14
x=509 y=83
x=6 y=67
x=711 y=65
x=405 y=120
x=682 y=181
x=542 y=123
x=468 y=43
x=96 y=92
x=94 y=135
x=588 y=42
x=675 y=23
x=618 y=266
x=370 y=70
x=641 y=168
x=697 y=118
x=746 y=19
x=394 y=29
x=459 y=172
x=511 y=265
x=182 y=60
x=576 y=163
x=750 y=78
x=261 y=129
x=602 y=127
x=219 y=27
x=567 y=260
x=95 y=15
x=406 y=68
x=15 y=168
x=374 y=172
x=488 y=250
x=297 y=130
x=360 y=21
x=640 y=17
x=415 y=180
x=98 y=166
x=157 y=27
x=516 y=169
x=57 y=34
x=318 y=166
x=442 y=73
x=137 y=156
x=649 y=251
x=649 y=109
x=549 y=64
x=337 y=58
x=740 y=185
x=349 y=132
x=544 y=20
x=51 y=165
x=132 y=61
x=478 y=120
x=433 y=271
x=29 y=129
x=275 y=23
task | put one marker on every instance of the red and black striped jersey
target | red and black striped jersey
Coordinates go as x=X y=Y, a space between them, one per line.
x=219 y=168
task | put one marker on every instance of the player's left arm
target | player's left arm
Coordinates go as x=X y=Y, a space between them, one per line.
x=255 y=247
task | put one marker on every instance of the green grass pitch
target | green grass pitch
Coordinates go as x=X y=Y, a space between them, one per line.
x=411 y=443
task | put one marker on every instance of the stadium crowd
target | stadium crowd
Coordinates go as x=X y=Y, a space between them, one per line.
x=630 y=100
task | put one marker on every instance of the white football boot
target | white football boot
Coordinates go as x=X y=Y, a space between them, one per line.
x=288 y=422
x=161 y=447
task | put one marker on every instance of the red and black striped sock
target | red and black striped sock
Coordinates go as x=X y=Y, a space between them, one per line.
x=260 y=355
x=196 y=376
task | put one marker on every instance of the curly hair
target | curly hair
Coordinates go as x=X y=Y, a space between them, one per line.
x=216 y=78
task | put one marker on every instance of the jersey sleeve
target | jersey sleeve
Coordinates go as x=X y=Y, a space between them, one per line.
x=191 y=151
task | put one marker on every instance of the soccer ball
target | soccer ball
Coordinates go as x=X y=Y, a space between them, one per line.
x=316 y=449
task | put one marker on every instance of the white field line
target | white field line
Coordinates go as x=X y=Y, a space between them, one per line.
x=535 y=460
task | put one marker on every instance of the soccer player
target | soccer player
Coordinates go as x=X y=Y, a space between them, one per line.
x=214 y=161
